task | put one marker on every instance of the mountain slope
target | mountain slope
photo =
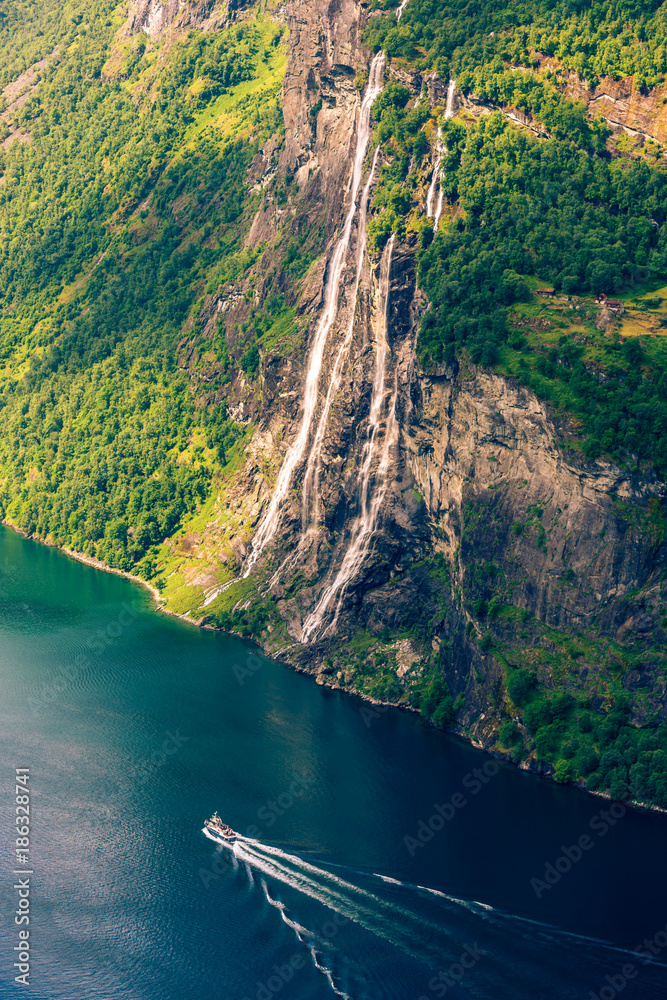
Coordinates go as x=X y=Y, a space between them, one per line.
x=310 y=341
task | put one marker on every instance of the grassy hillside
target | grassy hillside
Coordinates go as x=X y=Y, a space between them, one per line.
x=123 y=203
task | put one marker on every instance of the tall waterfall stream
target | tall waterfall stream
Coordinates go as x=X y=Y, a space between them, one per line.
x=270 y=522
x=382 y=433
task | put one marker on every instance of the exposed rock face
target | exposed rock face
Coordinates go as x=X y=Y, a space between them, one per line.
x=480 y=472
x=320 y=100
x=482 y=440
x=619 y=102
x=154 y=16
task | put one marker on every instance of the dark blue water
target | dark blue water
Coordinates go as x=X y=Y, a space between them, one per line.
x=136 y=726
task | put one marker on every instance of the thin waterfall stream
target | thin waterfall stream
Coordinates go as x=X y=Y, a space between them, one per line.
x=269 y=524
x=437 y=170
x=377 y=448
x=370 y=503
x=314 y=467
x=430 y=199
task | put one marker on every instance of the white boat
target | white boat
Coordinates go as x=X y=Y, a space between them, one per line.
x=216 y=830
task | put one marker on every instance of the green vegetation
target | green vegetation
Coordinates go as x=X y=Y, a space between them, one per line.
x=30 y=32
x=537 y=97
x=524 y=210
x=603 y=749
x=595 y=38
x=535 y=207
x=126 y=208
x=436 y=702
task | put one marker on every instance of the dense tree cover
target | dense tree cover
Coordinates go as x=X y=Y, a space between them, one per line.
x=94 y=152
x=586 y=224
x=29 y=32
x=90 y=460
x=558 y=209
x=401 y=130
x=595 y=38
x=116 y=218
x=538 y=98
x=605 y=750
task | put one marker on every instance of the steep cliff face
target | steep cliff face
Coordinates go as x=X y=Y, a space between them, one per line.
x=153 y=17
x=398 y=468
x=481 y=440
x=572 y=545
x=413 y=536
x=621 y=103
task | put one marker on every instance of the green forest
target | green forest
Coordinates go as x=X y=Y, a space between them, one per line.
x=117 y=218
x=556 y=209
x=595 y=38
x=563 y=207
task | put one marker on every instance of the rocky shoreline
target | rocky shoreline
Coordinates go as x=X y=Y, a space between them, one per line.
x=530 y=766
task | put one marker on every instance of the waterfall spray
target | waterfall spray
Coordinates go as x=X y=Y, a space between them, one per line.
x=314 y=467
x=375 y=448
x=449 y=112
x=269 y=525
x=430 y=199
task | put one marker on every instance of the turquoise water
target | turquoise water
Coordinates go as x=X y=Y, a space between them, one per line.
x=136 y=727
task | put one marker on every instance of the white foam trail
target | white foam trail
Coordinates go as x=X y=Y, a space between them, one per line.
x=314 y=467
x=468 y=904
x=400 y=10
x=302 y=933
x=327 y=972
x=401 y=928
x=297 y=928
x=269 y=525
x=277 y=853
x=295 y=881
x=370 y=500
x=521 y=931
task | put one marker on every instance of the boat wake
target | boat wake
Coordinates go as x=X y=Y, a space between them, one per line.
x=412 y=934
x=310 y=940
x=438 y=930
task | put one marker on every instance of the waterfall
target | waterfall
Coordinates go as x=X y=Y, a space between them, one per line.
x=430 y=200
x=314 y=467
x=376 y=449
x=400 y=10
x=269 y=525
x=449 y=110
x=441 y=150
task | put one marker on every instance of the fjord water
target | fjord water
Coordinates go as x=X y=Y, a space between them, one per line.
x=136 y=726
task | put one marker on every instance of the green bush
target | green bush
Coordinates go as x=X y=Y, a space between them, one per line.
x=563 y=771
x=586 y=761
x=547 y=741
x=510 y=735
x=520 y=686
